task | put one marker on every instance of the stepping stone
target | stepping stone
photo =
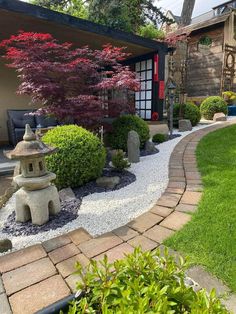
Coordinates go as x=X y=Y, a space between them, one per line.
x=16 y=280
x=206 y=280
x=191 y=198
x=55 y=243
x=72 y=281
x=186 y=208
x=22 y=257
x=116 y=253
x=175 y=221
x=145 y=222
x=174 y=190
x=99 y=245
x=145 y=243
x=230 y=303
x=125 y=233
x=161 y=211
x=36 y=297
x=158 y=233
x=79 y=236
x=176 y=184
x=169 y=200
x=67 y=267
x=63 y=253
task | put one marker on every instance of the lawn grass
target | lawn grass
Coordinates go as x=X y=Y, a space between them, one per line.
x=210 y=237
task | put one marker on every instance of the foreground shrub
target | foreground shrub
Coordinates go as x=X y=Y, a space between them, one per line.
x=121 y=127
x=80 y=157
x=119 y=162
x=159 y=138
x=141 y=283
x=212 y=105
x=190 y=112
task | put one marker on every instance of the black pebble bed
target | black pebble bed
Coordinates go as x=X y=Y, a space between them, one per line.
x=69 y=209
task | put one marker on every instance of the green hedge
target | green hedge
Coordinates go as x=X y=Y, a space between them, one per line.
x=141 y=283
x=190 y=112
x=159 y=138
x=212 y=105
x=121 y=127
x=80 y=157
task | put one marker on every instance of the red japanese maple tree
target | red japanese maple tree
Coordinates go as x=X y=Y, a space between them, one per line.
x=69 y=81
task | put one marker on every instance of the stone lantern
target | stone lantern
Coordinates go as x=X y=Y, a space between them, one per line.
x=37 y=198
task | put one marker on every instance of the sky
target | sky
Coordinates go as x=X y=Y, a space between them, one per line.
x=201 y=6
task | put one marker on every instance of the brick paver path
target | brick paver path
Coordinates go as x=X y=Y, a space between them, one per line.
x=42 y=274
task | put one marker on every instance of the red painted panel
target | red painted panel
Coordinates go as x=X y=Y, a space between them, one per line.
x=161 y=90
x=155 y=75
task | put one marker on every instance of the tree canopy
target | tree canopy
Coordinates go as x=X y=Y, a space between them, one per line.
x=126 y=15
x=71 y=7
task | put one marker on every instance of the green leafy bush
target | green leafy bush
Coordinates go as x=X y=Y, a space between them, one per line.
x=121 y=127
x=151 y=32
x=190 y=112
x=229 y=97
x=141 y=283
x=212 y=105
x=159 y=138
x=80 y=157
x=119 y=162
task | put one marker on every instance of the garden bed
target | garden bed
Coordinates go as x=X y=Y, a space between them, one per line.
x=105 y=211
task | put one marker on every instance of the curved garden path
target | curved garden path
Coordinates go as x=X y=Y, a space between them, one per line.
x=37 y=276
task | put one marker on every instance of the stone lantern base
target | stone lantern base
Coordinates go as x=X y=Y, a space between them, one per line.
x=37 y=205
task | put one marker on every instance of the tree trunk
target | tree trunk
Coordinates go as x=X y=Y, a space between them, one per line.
x=187 y=12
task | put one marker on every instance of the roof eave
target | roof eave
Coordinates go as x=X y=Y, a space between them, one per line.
x=85 y=25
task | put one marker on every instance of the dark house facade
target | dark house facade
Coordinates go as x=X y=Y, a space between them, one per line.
x=147 y=56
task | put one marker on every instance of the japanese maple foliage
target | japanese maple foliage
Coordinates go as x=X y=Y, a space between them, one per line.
x=69 y=81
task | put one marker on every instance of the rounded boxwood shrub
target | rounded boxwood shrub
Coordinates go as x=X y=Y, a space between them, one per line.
x=190 y=112
x=212 y=105
x=141 y=283
x=80 y=157
x=159 y=138
x=121 y=127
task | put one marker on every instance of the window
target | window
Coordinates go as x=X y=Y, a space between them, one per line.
x=143 y=98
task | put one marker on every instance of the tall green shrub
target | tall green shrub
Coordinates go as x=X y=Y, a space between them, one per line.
x=121 y=127
x=212 y=105
x=80 y=157
x=190 y=112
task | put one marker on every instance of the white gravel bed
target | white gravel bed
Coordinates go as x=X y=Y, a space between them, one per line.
x=104 y=212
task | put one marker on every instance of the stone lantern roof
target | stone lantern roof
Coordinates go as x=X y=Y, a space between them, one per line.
x=29 y=147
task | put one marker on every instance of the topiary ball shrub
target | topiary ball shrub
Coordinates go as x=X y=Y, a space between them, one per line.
x=141 y=283
x=121 y=127
x=190 y=112
x=212 y=105
x=80 y=157
x=159 y=138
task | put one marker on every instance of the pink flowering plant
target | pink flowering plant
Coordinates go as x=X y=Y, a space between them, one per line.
x=69 y=81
